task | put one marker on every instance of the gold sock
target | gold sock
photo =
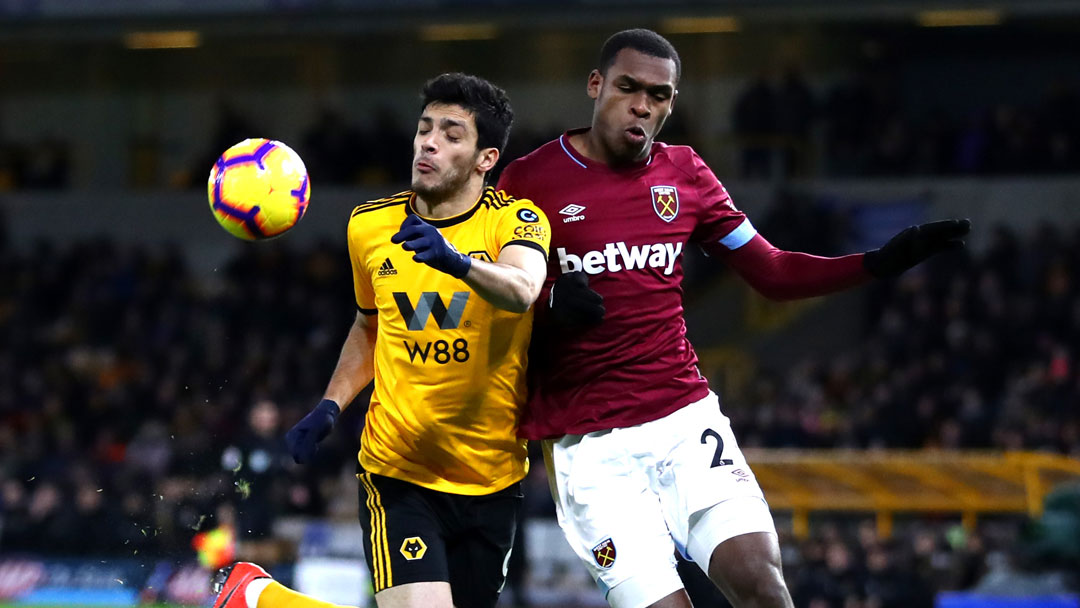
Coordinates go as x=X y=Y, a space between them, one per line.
x=277 y=595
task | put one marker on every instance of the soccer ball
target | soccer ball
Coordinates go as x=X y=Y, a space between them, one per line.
x=258 y=189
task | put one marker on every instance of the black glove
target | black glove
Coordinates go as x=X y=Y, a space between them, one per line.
x=303 y=439
x=572 y=303
x=913 y=245
x=431 y=247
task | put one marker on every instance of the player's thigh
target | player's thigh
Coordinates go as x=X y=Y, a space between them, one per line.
x=479 y=553
x=403 y=538
x=612 y=519
x=415 y=595
x=707 y=488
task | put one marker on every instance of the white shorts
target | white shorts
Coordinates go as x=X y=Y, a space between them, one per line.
x=627 y=498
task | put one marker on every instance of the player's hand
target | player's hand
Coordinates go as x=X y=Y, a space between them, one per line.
x=303 y=439
x=572 y=303
x=913 y=245
x=431 y=247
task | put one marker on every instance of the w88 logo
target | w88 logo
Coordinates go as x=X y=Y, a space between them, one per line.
x=440 y=351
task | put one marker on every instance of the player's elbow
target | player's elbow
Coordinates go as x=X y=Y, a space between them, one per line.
x=511 y=303
x=515 y=298
x=766 y=284
x=523 y=298
x=774 y=292
x=518 y=290
x=519 y=307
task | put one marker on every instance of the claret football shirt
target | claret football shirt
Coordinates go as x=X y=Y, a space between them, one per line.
x=627 y=229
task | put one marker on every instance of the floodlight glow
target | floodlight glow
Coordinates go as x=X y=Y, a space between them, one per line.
x=458 y=31
x=699 y=25
x=959 y=18
x=183 y=39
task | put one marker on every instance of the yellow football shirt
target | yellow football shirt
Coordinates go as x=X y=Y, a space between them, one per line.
x=449 y=366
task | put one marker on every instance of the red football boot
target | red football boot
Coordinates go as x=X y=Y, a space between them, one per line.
x=230 y=584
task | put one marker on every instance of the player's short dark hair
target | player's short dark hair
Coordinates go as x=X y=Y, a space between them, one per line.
x=643 y=41
x=489 y=105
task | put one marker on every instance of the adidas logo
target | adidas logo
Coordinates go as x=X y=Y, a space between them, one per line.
x=387 y=269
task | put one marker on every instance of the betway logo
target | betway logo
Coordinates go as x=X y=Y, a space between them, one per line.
x=617 y=256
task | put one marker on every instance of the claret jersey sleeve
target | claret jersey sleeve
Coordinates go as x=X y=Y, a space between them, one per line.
x=722 y=227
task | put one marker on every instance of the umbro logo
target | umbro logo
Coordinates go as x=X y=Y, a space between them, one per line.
x=386 y=269
x=573 y=213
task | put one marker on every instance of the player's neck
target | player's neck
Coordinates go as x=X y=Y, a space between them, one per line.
x=454 y=203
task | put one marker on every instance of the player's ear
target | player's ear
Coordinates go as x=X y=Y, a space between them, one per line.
x=594 y=84
x=486 y=159
x=674 y=96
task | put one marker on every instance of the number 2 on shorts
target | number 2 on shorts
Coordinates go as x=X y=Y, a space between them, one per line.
x=717 y=459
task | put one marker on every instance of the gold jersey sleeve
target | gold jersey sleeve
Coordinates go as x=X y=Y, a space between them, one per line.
x=449 y=366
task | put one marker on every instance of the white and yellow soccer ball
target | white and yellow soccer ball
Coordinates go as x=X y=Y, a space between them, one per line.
x=258 y=189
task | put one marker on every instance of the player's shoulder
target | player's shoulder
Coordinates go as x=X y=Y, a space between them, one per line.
x=390 y=202
x=545 y=154
x=676 y=152
x=500 y=202
x=378 y=215
x=681 y=158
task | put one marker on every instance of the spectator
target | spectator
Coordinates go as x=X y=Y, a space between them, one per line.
x=257 y=460
x=754 y=123
x=795 y=111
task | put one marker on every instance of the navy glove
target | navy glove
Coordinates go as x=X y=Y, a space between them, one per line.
x=572 y=303
x=303 y=439
x=914 y=244
x=431 y=247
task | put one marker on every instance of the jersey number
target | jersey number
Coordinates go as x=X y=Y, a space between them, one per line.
x=717 y=459
x=441 y=351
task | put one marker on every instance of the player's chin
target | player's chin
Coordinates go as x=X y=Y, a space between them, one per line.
x=633 y=151
x=429 y=187
x=422 y=183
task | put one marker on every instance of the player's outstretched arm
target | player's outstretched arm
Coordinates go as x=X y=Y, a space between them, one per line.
x=355 y=369
x=789 y=275
x=513 y=281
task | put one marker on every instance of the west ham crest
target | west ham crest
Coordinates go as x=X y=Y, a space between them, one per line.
x=604 y=553
x=665 y=202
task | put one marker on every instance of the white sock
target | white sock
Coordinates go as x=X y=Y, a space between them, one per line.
x=254 y=590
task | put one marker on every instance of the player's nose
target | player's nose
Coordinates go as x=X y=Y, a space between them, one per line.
x=427 y=142
x=639 y=106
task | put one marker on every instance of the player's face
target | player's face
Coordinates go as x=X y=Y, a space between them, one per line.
x=445 y=154
x=633 y=99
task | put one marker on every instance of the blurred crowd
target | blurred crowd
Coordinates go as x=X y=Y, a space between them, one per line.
x=140 y=404
x=44 y=164
x=861 y=126
x=963 y=352
x=781 y=126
